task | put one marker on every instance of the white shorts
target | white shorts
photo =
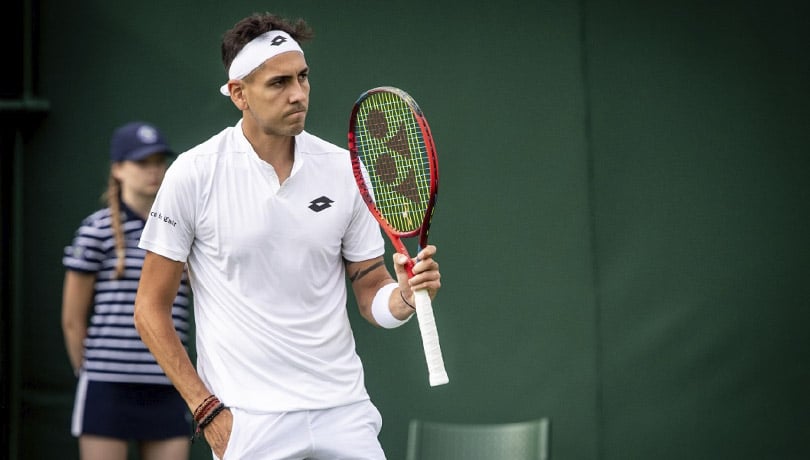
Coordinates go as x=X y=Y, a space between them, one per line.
x=345 y=432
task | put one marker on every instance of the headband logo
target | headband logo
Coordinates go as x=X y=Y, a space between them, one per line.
x=278 y=40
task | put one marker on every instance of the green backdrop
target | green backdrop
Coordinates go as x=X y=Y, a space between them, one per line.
x=622 y=222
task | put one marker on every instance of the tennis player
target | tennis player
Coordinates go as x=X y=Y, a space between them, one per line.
x=270 y=221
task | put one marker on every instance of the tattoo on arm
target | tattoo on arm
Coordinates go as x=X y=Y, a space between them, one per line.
x=361 y=273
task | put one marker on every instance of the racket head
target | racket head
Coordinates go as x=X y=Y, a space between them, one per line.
x=394 y=162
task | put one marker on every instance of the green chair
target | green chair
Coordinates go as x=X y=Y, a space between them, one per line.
x=527 y=440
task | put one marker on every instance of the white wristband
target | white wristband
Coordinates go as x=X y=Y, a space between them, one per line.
x=381 y=311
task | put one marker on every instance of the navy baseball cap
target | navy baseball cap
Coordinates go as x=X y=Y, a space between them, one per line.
x=136 y=141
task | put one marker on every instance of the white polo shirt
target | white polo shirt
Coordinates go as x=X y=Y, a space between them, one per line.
x=266 y=269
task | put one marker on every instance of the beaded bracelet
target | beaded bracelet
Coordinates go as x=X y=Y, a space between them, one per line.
x=204 y=406
x=210 y=417
x=207 y=421
x=205 y=413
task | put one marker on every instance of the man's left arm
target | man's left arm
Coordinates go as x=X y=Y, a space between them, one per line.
x=370 y=278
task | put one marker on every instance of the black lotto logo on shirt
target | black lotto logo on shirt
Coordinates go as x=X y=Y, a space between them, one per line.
x=320 y=203
x=166 y=219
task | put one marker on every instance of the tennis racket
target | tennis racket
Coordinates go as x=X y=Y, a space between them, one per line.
x=395 y=167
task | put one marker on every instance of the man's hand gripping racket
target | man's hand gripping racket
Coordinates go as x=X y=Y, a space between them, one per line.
x=396 y=170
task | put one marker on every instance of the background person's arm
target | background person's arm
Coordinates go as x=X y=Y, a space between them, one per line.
x=77 y=301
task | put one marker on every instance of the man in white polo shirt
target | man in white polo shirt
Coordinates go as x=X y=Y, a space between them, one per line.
x=270 y=222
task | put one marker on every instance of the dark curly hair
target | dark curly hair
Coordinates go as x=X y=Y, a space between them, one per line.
x=256 y=24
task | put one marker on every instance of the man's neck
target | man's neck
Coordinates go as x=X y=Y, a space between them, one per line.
x=278 y=151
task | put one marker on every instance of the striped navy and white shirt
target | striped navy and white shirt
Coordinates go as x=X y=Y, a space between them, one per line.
x=114 y=351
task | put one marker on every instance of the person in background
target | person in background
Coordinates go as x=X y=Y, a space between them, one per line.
x=271 y=222
x=122 y=394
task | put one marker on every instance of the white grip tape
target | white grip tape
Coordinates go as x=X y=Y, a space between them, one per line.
x=430 y=338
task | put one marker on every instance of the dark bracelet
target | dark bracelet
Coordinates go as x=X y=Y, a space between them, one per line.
x=406 y=302
x=210 y=417
x=204 y=407
x=207 y=421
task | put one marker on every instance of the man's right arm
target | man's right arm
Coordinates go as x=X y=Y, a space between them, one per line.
x=160 y=280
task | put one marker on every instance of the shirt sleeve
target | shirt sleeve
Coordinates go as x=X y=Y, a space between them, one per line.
x=86 y=252
x=363 y=239
x=169 y=229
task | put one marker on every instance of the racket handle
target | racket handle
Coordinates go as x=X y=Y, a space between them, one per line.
x=430 y=338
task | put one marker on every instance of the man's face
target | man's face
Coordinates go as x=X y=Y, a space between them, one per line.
x=277 y=94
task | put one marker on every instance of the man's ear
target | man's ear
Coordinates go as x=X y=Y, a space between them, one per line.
x=236 y=89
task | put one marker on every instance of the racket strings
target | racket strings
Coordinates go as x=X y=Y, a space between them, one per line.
x=391 y=145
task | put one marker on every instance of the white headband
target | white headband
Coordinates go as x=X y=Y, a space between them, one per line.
x=257 y=51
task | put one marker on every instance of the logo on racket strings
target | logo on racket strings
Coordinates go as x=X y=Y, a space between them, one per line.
x=386 y=164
